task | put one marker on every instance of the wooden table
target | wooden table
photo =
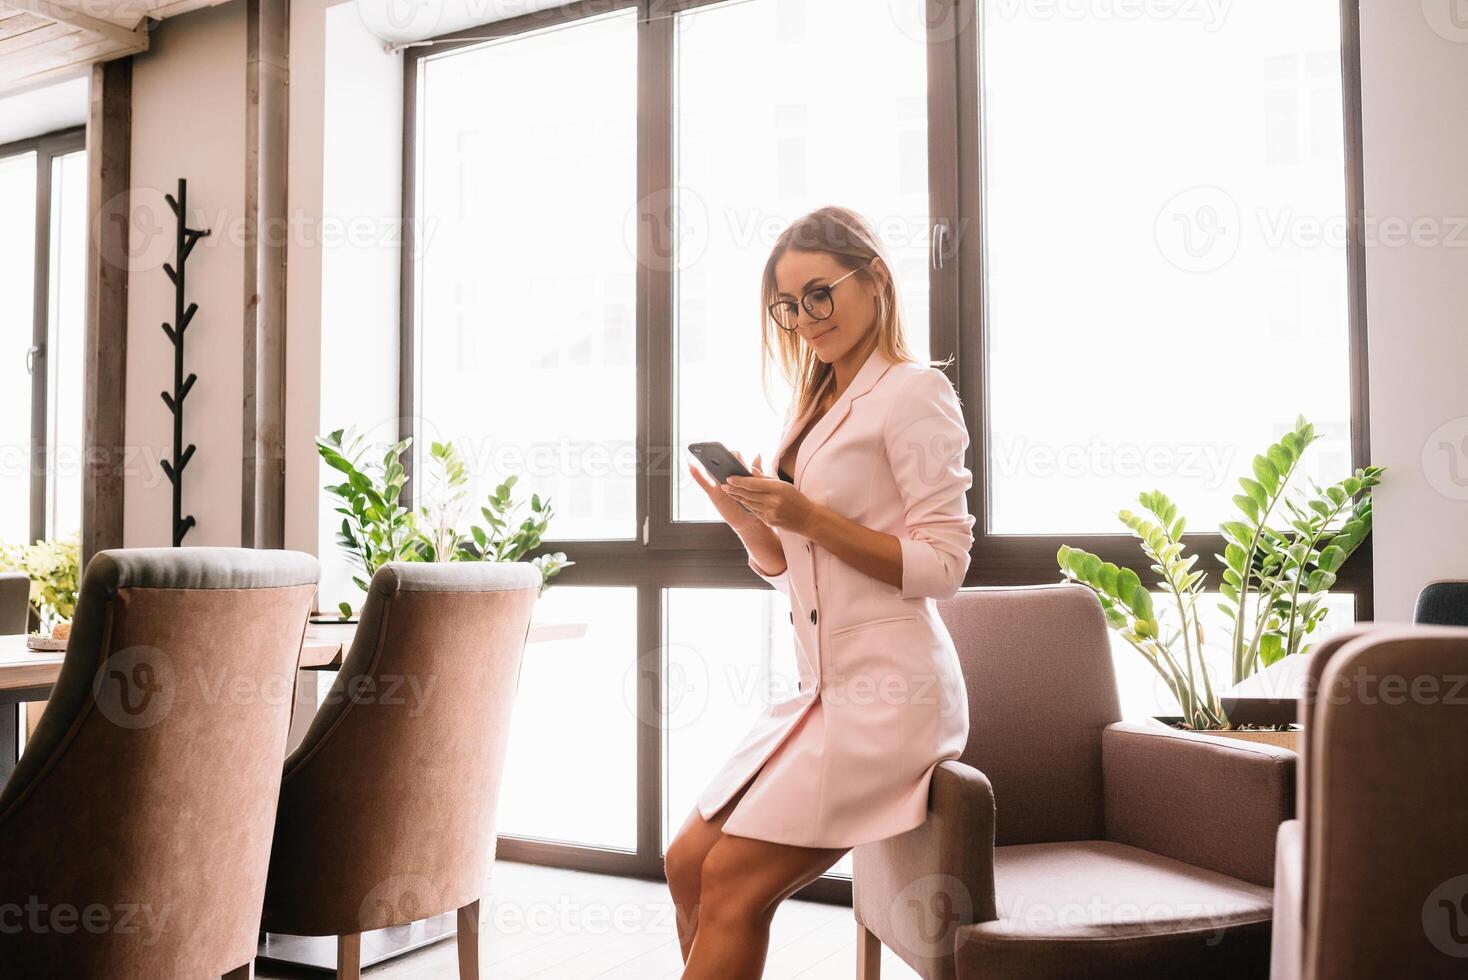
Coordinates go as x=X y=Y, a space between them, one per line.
x=27 y=675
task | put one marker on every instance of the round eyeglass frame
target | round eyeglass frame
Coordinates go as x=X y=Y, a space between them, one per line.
x=805 y=301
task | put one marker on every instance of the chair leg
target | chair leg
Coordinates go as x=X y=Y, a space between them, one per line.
x=246 y=972
x=868 y=954
x=469 y=941
x=349 y=957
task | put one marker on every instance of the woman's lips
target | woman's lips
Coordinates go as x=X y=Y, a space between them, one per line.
x=822 y=334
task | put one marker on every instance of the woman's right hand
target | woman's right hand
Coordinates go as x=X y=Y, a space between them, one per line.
x=729 y=509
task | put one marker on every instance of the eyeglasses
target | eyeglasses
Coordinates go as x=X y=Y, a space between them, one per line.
x=818 y=302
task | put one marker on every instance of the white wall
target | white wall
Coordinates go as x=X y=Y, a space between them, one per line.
x=346 y=190
x=303 y=272
x=43 y=109
x=1415 y=114
x=188 y=111
x=342 y=280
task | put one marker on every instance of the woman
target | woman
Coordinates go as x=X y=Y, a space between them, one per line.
x=863 y=525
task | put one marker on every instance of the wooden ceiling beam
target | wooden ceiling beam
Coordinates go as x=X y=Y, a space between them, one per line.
x=130 y=41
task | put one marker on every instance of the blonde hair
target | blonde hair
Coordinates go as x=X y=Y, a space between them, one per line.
x=847 y=237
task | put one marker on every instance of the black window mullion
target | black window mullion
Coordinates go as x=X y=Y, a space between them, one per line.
x=945 y=219
x=969 y=261
x=36 y=359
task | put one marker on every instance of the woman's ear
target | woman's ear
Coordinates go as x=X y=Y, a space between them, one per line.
x=881 y=279
x=880 y=272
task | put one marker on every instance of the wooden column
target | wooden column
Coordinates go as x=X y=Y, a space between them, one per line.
x=109 y=150
x=262 y=522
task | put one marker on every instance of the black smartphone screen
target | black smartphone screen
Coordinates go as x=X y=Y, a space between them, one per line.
x=718 y=461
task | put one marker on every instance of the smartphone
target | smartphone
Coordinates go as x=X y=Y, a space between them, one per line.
x=718 y=461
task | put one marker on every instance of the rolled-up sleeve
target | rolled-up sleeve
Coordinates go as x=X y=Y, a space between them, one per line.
x=780 y=582
x=926 y=440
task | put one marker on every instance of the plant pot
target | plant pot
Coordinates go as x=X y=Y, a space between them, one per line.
x=1279 y=739
x=1284 y=740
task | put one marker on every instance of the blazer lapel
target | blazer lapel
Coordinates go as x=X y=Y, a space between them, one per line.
x=872 y=368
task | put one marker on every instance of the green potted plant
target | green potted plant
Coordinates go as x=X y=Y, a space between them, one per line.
x=53 y=567
x=503 y=537
x=376 y=528
x=1281 y=557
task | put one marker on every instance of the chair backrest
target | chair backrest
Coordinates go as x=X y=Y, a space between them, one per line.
x=387 y=810
x=1386 y=851
x=139 y=819
x=1041 y=685
x=1320 y=657
x=1442 y=604
x=15 y=603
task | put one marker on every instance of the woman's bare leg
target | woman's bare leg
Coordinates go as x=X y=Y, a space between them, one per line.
x=683 y=866
x=743 y=882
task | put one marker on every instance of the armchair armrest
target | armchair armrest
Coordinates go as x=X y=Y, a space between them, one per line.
x=1287 y=943
x=915 y=889
x=1212 y=802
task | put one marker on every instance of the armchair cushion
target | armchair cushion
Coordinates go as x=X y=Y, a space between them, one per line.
x=1213 y=802
x=913 y=890
x=1099 y=910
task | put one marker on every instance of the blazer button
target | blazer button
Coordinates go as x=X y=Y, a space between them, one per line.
x=812 y=617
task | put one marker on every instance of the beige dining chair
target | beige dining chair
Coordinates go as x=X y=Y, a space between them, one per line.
x=135 y=830
x=1065 y=842
x=387 y=810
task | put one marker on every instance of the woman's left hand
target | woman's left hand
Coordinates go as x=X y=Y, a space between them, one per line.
x=775 y=502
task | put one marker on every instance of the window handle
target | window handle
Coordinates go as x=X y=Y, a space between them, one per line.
x=31 y=354
x=939 y=243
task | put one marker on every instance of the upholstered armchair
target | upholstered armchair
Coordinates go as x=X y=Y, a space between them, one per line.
x=1065 y=843
x=388 y=805
x=135 y=830
x=1371 y=879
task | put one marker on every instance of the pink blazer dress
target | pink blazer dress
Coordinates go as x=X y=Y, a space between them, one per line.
x=881 y=700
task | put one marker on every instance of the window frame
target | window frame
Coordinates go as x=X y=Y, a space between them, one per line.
x=47 y=147
x=665 y=554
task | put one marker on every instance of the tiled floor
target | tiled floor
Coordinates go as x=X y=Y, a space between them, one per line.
x=568 y=925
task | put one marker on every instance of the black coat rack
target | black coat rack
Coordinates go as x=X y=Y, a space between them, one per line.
x=184 y=241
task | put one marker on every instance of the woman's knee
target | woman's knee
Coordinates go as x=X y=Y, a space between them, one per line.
x=732 y=890
x=682 y=865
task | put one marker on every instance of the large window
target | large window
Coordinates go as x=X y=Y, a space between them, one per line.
x=1106 y=215
x=43 y=230
x=751 y=158
x=1159 y=306
x=526 y=297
